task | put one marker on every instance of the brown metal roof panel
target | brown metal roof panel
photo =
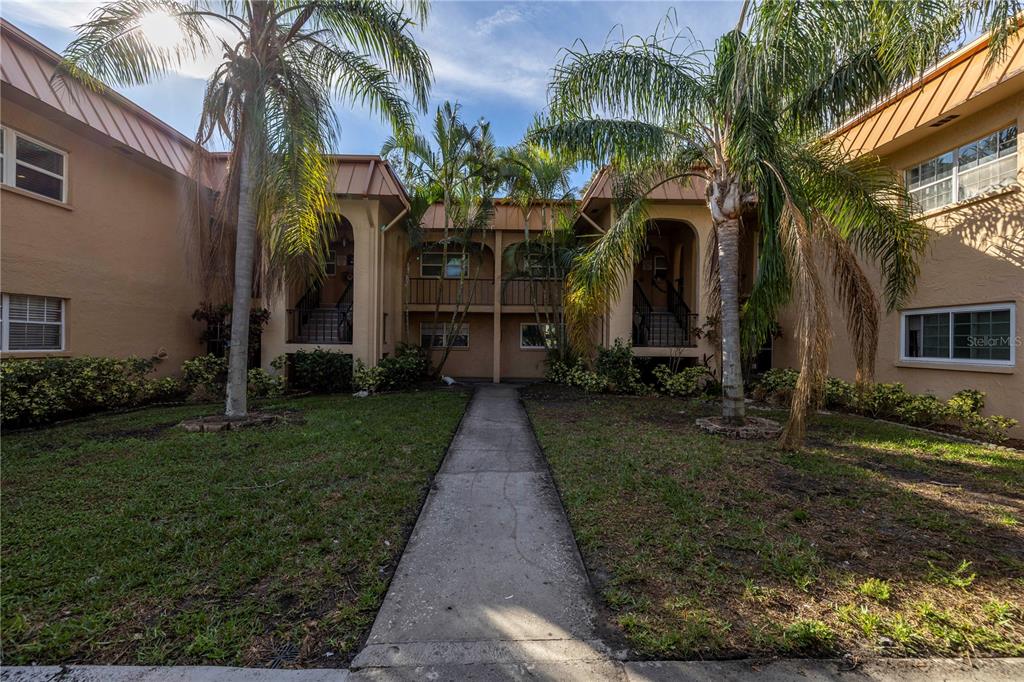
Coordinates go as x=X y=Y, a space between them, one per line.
x=973 y=79
x=902 y=118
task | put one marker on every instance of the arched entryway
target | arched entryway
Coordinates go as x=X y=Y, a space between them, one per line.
x=665 y=287
x=323 y=311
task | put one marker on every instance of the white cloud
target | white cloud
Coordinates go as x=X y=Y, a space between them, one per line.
x=504 y=16
x=59 y=14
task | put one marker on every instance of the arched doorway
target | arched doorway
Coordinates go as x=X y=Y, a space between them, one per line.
x=323 y=312
x=665 y=283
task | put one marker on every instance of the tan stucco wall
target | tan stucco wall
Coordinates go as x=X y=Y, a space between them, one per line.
x=116 y=252
x=518 y=363
x=975 y=256
x=473 y=362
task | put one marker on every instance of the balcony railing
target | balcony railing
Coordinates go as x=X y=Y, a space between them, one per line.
x=530 y=292
x=436 y=291
x=326 y=326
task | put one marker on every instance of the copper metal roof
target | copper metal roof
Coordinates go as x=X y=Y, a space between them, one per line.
x=27 y=65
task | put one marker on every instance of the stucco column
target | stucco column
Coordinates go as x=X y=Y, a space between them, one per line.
x=496 y=378
x=364 y=280
x=620 y=312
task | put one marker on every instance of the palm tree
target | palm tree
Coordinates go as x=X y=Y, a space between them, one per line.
x=459 y=165
x=539 y=182
x=749 y=121
x=270 y=99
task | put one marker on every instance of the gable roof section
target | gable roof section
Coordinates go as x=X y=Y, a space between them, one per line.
x=27 y=64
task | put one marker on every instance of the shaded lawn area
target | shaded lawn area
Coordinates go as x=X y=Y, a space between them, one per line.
x=875 y=540
x=128 y=541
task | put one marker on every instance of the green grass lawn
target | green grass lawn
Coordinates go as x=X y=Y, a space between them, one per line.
x=875 y=540
x=126 y=540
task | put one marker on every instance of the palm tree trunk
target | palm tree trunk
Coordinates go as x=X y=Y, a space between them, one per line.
x=245 y=244
x=728 y=230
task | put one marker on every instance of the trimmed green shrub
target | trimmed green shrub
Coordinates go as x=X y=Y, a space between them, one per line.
x=407 y=366
x=966 y=403
x=263 y=384
x=617 y=366
x=205 y=377
x=883 y=400
x=775 y=386
x=46 y=390
x=365 y=378
x=921 y=410
x=839 y=394
x=318 y=371
x=687 y=382
x=577 y=376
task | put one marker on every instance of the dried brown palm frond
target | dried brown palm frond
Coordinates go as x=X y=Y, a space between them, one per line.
x=854 y=292
x=813 y=331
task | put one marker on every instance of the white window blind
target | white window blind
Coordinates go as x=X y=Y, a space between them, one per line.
x=965 y=172
x=32 y=323
x=435 y=335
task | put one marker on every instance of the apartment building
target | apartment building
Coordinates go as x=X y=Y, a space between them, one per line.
x=94 y=261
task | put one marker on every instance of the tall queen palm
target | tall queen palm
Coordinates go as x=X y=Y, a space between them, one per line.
x=282 y=62
x=750 y=121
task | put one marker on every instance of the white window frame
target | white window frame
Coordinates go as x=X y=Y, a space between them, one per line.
x=463 y=330
x=5 y=322
x=10 y=163
x=522 y=329
x=951 y=310
x=954 y=177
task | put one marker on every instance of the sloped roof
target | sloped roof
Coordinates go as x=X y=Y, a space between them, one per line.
x=507 y=216
x=27 y=64
x=954 y=82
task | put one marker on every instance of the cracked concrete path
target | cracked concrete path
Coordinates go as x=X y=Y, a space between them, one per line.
x=491 y=578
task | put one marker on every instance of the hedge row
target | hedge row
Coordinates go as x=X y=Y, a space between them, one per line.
x=41 y=391
x=893 y=401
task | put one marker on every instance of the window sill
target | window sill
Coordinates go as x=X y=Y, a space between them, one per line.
x=957 y=367
x=38 y=197
x=1012 y=188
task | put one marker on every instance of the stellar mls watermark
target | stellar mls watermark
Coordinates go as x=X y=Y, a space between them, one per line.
x=994 y=341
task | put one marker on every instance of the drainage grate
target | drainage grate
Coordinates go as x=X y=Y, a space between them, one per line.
x=284 y=654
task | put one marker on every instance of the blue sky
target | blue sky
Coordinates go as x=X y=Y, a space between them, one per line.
x=493 y=57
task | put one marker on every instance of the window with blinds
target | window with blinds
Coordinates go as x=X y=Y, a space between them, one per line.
x=440 y=335
x=965 y=172
x=32 y=323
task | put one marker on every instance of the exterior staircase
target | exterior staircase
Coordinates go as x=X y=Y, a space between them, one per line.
x=325 y=325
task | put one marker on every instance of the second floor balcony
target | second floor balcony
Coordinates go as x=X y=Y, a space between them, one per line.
x=433 y=291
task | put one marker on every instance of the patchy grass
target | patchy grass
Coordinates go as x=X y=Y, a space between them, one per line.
x=128 y=541
x=875 y=539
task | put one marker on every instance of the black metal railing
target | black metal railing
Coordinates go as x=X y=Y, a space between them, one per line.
x=642 y=313
x=328 y=325
x=442 y=291
x=672 y=328
x=539 y=292
x=312 y=322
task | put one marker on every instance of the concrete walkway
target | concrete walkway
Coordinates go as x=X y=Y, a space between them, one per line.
x=491 y=580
